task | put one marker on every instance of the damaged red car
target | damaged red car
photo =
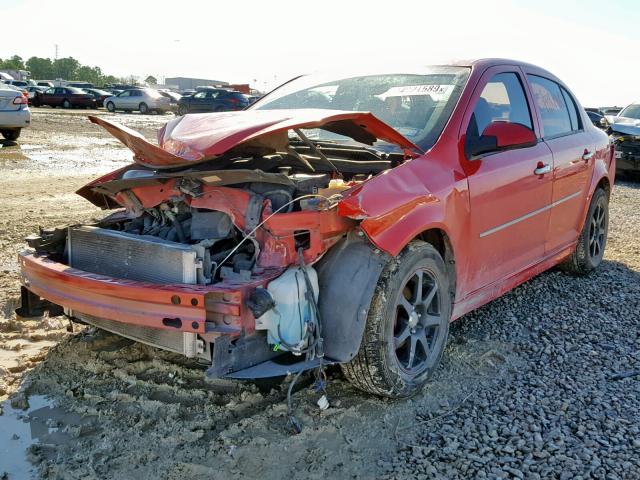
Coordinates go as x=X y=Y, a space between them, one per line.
x=340 y=220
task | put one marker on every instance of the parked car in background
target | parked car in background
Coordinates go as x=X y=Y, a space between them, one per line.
x=625 y=132
x=17 y=83
x=44 y=83
x=99 y=95
x=212 y=100
x=144 y=100
x=79 y=85
x=173 y=97
x=187 y=93
x=32 y=90
x=597 y=119
x=65 y=97
x=14 y=112
x=341 y=220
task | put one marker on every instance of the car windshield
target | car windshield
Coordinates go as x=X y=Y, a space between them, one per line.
x=632 y=111
x=417 y=105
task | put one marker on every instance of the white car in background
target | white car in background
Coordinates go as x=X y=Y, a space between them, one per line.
x=144 y=100
x=14 y=112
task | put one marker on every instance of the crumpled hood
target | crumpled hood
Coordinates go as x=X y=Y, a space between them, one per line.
x=629 y=126
x=200 y=137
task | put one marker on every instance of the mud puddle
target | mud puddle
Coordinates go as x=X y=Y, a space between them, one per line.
x=43 y=427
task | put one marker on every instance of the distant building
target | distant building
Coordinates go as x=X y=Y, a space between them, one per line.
x=184 y=83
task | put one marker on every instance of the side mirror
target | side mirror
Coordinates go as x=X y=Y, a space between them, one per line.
x=498 y=136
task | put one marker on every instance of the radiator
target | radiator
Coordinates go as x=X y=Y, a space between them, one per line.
x=186 y=343
x=130 y=256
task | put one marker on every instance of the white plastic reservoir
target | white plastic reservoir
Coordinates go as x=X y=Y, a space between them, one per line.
x=292 y=310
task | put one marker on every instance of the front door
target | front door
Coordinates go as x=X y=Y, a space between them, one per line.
x=509 y=196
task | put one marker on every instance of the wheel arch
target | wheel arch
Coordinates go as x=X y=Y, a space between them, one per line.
x=441 y=241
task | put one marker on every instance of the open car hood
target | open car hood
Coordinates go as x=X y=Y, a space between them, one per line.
x=201 y=137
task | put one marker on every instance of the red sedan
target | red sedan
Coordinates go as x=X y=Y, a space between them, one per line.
x=338 y=220
x=65 y=97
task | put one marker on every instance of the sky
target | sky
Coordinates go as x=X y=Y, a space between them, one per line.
x=592 y=45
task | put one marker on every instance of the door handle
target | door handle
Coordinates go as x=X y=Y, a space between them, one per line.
x=586 y=156
x=542 y=169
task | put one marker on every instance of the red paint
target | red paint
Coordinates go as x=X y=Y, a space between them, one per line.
x=510 y=134
x=199 y=137
x=473 y=201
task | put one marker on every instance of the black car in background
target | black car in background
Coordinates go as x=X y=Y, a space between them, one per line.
x=212 y=100
x=597 y=119
x=98 y=94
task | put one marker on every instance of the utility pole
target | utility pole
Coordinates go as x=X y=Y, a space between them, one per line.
x=56 y=45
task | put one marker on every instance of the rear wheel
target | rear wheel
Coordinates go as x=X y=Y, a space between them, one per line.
x=143 y=108
x=66 y=103
x=12 y=134
x=407 y=325
x=592 y=241
x=111 y=107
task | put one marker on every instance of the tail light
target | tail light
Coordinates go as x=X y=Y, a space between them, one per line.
x=21 y=100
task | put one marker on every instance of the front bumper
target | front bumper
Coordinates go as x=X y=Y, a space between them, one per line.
x=628 y=157
x=208 y=310
x=15 y=118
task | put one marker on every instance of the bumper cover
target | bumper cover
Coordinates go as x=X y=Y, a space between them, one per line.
x=15 y=118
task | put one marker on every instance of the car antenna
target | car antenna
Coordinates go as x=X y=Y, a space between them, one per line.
x=316 y=150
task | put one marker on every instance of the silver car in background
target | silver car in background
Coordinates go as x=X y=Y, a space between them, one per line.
x=144 y=100
x=14 y=112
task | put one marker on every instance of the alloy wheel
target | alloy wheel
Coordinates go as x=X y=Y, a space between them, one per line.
x=597 y=231
x=418 y=324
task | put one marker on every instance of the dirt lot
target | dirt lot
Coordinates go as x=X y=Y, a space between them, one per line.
x=527 y=389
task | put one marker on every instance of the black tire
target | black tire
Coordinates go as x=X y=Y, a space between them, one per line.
x=143 y=108
x=592 y=241
x=182 y=110
x=66 y=103
x=219 y=109
x=111 y=107
x=383 y=365
x=11 y=135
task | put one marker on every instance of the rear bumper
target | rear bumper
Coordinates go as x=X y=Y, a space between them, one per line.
x=15 y=118
x=210 y=310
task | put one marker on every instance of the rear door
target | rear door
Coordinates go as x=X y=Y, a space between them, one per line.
x=121 y=100
x=509 y=202
x=572 y=147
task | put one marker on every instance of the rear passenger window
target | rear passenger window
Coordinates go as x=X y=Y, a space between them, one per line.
x=576 y=123
x=556 y=119
x=502 y=100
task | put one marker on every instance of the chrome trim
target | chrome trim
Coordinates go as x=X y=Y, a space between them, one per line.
x=529 y=215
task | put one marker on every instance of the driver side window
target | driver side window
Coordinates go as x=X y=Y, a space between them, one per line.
x=502 y=100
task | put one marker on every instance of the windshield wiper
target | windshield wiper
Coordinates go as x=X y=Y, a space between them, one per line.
x=316 y=150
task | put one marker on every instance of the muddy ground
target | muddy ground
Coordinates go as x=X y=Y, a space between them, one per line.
x=90 y=405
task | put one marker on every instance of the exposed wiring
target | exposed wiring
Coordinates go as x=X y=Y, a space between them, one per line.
x=255 y=229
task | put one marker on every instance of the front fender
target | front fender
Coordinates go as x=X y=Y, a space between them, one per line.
x=397 y=205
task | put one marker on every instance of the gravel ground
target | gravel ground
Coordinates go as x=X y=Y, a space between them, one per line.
x=530 y=386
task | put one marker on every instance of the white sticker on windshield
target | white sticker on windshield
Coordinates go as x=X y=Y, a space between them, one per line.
x=435 y=91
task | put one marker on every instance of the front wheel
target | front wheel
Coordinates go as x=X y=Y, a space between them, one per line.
x=182 y=110
x=592 y=241
x=111 y=107
x=407 y=325
x=11 y=135
x=66 y=103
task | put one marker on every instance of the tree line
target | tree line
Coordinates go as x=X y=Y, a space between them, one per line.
x=68 y=68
